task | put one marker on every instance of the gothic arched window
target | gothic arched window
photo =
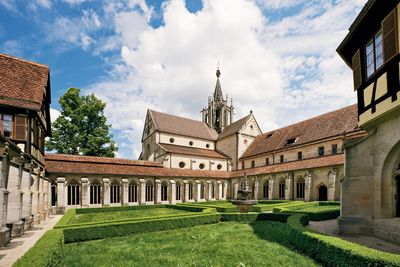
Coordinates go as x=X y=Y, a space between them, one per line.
x=73 y=191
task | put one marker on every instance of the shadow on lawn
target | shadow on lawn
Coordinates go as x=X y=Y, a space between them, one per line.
x=272 y=232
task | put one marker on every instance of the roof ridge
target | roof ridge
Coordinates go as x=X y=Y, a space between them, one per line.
x=25 y=60
x=172 y=115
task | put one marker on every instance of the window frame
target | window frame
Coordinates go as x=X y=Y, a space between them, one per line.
x=372 y=41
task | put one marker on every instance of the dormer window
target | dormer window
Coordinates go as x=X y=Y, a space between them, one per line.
x=291 y=141
x=374 y=54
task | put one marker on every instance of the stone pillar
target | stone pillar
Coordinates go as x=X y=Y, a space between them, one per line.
x=15 y=199
x=85 y=193
x=157 y=187
x=208 y=193
x=172 y=192
x=289 y=187
x=106 y=192
x=331 y=185
x=125 y=193
x=271 y=188
x=256 y=190
x=142 y=191
x=185 y=191
x=60 y=195
x=224 y=189
x=235 y=190
x=5 y=233
x=219 y=190
x=197 y=191
x=308 y=186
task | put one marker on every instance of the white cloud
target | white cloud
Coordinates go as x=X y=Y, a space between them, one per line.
x=54 y=114
x=74 y=2
x=44 y=3
x=278 y=4
x=9 y=4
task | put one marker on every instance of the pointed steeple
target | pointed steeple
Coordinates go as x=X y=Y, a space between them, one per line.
x=218 y=90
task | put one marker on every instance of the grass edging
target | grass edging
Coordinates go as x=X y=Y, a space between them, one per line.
x=48 y=251
x=333 y=251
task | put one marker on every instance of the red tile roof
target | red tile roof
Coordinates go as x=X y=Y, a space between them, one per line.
x=22 y=83
x=293 y=165
x=234 y=127
x=192 y=151
x=66 y=164
x=181 y=126
x=335 y=123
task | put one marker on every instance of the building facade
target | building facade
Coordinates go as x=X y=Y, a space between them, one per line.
x=371 y=187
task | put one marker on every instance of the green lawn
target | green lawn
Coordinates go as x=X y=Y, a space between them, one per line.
x=320 y=208
x=121 y=215
x=224 y=244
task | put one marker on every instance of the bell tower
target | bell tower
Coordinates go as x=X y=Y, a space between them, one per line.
x=218 y=114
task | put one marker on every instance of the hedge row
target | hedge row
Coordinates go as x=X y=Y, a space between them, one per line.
x=333 y=251
x=192 y=208
x=118 y=208
x=318 y=216
x=121 y=229
x=48 y=251
x=329 y=203
x=250 y=217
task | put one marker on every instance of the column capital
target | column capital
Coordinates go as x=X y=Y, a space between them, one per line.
x=106 y=180
x=219 y=182
x=157 y=181
x=185 y=181
x=172 y=182
x=142 y=181
x=124 y=180
x=60 y=180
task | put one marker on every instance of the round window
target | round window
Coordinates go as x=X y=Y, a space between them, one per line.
x=201 y=166
x=182 y=164
x=191 y=143
x=219 y=166
x=171 y=140
x=207 y=145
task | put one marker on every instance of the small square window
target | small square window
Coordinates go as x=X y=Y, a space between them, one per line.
x=299 y=155
x=334 y=149
x=267 y=161
x=242 y=164
x=253 y=163
x=321 y=151
x=281 y=158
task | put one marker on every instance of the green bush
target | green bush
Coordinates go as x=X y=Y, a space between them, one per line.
x=48 y=251
x=119 y=208
x=329 y=203
x=121 y=229
x=251 y=217
x=333 y=251
x=319 y=216
x=192 y=208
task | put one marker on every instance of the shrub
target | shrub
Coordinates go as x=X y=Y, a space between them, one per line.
x=121 y=229
x=192 y=208
x=319 y=216
x=333 y=251
x=119 y=208
x=48 y=251
x=250 y=217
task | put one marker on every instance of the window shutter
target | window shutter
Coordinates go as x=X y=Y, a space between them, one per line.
x=20 y=127
x=356 y=65
x=389 y=36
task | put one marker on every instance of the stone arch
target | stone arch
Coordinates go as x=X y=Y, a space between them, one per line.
x=281 y=187
x=202 y=190
x=115 y=191
x=388 y=190
x=73 y=192
x=265 y=189
x=149 y=191
x=178 y=190
x=300 y=184
x=133 y=191
x=322 y=192
x=164 y=191
x=95 y=189
x=190 y=190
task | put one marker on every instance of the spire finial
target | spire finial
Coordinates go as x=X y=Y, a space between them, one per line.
x=218 y=71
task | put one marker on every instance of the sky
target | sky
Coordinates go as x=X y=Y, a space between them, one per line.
x=277 y=57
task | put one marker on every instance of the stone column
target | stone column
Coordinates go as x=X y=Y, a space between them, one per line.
x=271 y=188
x=125 y=193
x=60 y=195
x=142 y=191
x=225 y=190
x=235 y=190
x=308 y=186
x=172 y=192
x=208 y=193
x=331 y=185
x=5 y=233
x=106 y=192
x=219 y=190
x=185 y=191
x=85 y=193
x=157 y=198
x=197 y=191
x=289 y=187
x=255 y=193
x=14 y=199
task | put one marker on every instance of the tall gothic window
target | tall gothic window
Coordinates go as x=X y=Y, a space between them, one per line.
x=133 y=192
x=212 y=190
x=282 y=185
x=202 y=191
x=178 y=191
x=266 y=189
x=95 y=192
x=300 y=186
x=164 y=191
x=223 y=191
x=149 y=195
x=115 y=190
x=190 y=193
x=73 y=192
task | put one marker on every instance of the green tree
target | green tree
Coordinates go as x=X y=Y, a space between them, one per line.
x=82 y=127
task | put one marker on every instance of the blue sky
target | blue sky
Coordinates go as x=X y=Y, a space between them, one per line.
x=277 y=56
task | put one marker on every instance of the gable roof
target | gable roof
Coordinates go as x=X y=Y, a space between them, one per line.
x=182 y=126
x=330 y=124
x=22 y=82
x=234 y=127
x=192 y=151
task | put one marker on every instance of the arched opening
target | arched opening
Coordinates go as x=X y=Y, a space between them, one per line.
x=164 y=191
x=282 y=186
x=54 y=195
x=149 y=194
x=323 y=193
x=178 y=191
x=133 y=192
x=202 y=191
x=300 y=186
x=95 y=192
x=115 y=190
x=397 y=196
x=266 y=190
x=73 y=191
x=212 y=190
x=190 y=193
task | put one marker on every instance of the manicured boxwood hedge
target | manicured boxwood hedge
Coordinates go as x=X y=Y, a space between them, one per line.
x=48 y=251
x=333 y=251
x=318 y=216
x=314 y=216
x=119 y=208
x=250 y=217
x=100 y=231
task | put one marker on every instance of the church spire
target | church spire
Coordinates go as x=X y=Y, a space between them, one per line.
x=218 y=90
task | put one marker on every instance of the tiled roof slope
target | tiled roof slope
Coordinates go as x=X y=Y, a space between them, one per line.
x=108 y=166
x=192 y=151
x=234 y=127
x=293 y=165
x=331 y=124
x=181 y=126
x=22 y=82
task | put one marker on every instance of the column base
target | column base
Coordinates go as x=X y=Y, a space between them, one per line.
x=18 y=229
x=5 y=236
x=354 y=225
x=60 y=210
x=28 y=223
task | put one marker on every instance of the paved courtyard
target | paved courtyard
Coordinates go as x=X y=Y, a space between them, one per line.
x=330 y=227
